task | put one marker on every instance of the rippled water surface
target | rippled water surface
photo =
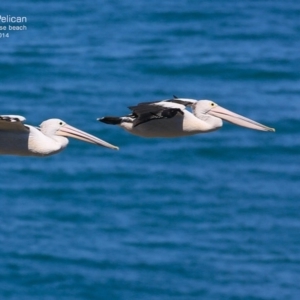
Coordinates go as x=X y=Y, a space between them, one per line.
x=213 y=216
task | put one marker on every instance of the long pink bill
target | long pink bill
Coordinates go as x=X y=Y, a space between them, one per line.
x=70 y=131
x=236 y=119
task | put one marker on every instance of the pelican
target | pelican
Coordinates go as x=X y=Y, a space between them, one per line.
x=17 y=138
x=170 y=118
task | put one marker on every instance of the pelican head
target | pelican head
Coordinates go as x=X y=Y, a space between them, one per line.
x=56 y=127
x=209 y=108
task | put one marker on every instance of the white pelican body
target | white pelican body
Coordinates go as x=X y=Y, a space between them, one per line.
x=50 y=138
x=170 y=118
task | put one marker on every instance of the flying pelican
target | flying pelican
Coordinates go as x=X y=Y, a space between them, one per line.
x=170 y=118
x=49 y=138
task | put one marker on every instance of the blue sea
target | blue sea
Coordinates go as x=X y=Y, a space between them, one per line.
x=211 y=216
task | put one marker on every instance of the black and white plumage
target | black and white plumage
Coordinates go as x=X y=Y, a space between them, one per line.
x=171 y=118
x=17 y=138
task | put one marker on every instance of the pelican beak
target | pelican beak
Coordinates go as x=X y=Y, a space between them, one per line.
x=236 y=119
x=69 y=131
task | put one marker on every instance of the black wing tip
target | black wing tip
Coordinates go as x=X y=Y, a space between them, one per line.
x=110 y=120
x=9 y=119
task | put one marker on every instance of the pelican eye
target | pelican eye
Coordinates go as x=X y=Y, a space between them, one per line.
x=212 y=104
x=61 y=123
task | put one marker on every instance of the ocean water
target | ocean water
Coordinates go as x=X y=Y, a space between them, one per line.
x=212 y=216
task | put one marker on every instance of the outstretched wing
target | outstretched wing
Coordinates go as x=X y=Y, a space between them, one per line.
x=148 y=111
x=12 y=123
